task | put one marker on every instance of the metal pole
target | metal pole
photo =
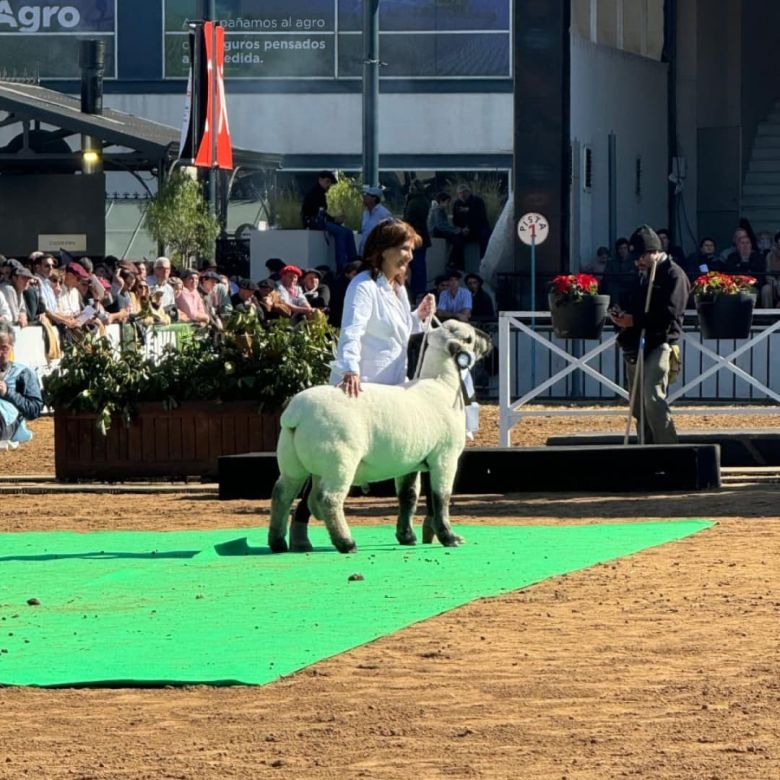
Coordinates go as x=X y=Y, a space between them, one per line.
x=533 y=303
x=371 y=92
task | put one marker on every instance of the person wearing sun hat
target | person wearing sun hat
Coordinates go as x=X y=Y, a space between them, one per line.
x=652 y=322
x=374 y=212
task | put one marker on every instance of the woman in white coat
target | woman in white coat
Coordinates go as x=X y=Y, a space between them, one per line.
x=377 y=320
x=375 y=328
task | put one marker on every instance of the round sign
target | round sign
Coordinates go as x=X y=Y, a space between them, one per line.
x=533 y=228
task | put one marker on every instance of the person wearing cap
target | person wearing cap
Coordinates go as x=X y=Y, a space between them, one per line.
x=245 y=298
x=22 y=315
x=470 y=215
x=161 y=281
x=291 y=293
x=454 y=301
x=661 y=325
x=316 y=293
x=482 y=308
x=189 y=301
x=216 y=297
x=270 y=302
x=315 y=216
x=374 y=212
x=20 y=393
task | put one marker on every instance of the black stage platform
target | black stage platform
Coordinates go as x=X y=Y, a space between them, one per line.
x=739 y=447
x=602 y=469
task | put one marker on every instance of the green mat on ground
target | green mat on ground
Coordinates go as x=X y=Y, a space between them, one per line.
x=124 y=608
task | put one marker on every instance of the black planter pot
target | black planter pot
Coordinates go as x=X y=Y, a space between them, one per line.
x=726 y=316
x=583 y=319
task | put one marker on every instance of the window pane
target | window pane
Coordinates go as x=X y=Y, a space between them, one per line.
x=655 y=28
x=633 y=19
x=580 y=18
x=607 y=22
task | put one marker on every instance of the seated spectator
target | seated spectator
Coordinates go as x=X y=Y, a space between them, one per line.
x=315 y=216
x=245 y=299
x=764 y=242
x=290 y=292
x=598 y=265
x=374 y=212
x=161 y=282
x=704 y=260
x=274 y=265
x=620 y=274
x=15 y=293
x=470 y=215
x=454 y=301
x=44 y=266
x=770 y=290
x=270 y=301
x=20 y=394
x=675 y=252
x=747 y=260
x=189 y=301
x=481 y=303
x=338 y=291
x=217 y=297
x=316 y=293
x=738 y=233
x=439 y=226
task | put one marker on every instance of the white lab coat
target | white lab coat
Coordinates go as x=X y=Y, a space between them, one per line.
x=375 y=331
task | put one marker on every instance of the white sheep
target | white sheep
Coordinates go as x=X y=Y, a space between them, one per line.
x=387 y=432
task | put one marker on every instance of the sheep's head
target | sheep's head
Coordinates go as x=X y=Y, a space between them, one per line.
x=459 y=337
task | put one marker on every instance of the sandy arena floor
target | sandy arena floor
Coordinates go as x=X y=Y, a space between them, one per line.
x=662 y=665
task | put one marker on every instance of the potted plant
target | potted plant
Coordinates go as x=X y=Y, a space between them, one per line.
x=578 y=311
x=725 y=305
x=120 y=416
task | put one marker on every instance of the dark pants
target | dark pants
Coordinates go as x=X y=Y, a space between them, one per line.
x=419 y=280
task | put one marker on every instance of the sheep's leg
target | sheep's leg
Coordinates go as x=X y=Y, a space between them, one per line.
x=284 y=493
x=442 y=479
x=428 y=532
x=327 y=503
x=407 y=489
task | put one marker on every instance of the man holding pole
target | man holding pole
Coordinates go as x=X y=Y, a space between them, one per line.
x=650 y=329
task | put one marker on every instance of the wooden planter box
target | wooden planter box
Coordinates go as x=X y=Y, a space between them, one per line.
x=182 y=442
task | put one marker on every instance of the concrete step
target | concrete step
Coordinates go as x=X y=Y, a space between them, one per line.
x=764 y=190
x=761 y=201
x=766 y=142
x=764 y=215
x=766 y=153
x=763 y=166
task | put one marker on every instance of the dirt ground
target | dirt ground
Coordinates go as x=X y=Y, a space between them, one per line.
x=662 y=665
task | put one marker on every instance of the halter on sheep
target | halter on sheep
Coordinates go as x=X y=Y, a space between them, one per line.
x=387 y=432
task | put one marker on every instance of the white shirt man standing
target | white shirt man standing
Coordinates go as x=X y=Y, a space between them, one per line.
x=162 y=275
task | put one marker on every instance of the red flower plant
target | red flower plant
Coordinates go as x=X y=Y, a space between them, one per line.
x=573 y=287
x=716 y=283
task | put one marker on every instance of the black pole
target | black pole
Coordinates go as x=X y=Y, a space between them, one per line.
x=371 y=92
x=92 y=61
x=670 y=57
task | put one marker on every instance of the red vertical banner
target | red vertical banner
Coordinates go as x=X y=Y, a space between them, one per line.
x=216 y=105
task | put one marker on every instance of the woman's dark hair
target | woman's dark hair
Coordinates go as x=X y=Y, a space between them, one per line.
x=388 y=234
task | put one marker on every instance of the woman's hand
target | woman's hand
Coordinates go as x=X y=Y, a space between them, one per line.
x=350 y=384
x=427 y=307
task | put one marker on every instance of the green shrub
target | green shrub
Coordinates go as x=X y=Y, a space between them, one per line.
x=248 y=362
x=345 y=199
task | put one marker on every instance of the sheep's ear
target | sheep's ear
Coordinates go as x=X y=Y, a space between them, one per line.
x=483 y=342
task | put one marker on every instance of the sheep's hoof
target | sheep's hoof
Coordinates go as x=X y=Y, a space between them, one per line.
x=451 y=540
x=278 y=545
x=406 y=537
x=299 y=538
x=345 y=546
